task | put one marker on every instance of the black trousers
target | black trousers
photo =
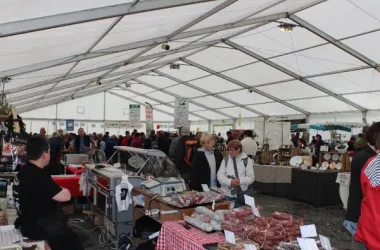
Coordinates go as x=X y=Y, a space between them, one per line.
x=52 y=229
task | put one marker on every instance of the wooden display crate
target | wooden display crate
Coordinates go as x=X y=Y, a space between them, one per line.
x=346 y=163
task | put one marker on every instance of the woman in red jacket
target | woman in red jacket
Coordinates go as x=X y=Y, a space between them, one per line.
x=368 y=230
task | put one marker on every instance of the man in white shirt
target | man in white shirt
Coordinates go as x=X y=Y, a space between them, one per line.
x=249 y=144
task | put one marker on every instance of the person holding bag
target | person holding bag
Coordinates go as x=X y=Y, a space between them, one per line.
x=236 y=174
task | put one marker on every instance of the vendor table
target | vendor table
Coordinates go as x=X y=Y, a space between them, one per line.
x=168 y=212
x=316 y=187
x=174 y=236
x=70 y=170
x=69 y=182
x=273 y=179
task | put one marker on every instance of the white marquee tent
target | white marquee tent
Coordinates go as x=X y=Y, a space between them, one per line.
x=88 y=60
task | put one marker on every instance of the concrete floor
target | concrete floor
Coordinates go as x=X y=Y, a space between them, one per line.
x=328 y=220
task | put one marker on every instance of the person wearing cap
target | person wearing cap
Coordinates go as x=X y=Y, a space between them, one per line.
x=249 y=144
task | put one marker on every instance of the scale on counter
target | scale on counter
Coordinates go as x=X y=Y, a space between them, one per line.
x=164 y=186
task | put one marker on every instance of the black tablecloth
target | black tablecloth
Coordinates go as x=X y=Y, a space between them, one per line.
x=276 y=189
x=317 y=188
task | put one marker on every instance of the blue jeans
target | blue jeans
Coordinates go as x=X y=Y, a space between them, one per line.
x=350 y=226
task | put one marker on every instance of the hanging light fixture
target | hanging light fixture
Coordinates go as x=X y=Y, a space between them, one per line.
x=286 y=27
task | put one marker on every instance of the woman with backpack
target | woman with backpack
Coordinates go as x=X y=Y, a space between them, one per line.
x=236 y=174
x=205 y=165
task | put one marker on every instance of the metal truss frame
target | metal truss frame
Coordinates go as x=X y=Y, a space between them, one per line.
x=135 y=45
x=177 y=96
x=292 y=74
x=155 y=100
x=83 y=16
x=243 y=85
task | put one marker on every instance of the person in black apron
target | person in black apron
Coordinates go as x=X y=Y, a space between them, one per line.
x=37 y=199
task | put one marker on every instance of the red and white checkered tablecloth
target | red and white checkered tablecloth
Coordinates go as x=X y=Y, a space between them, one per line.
x=174 y=236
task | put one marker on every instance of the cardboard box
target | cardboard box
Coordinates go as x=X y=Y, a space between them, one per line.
x=11 y=216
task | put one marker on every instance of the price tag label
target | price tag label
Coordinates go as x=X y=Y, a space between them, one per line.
x=307 y=244
x=250 y=247
x=325 y=242
x=308 y=231
x=343 y=178
x=230 y=237
x=250 y=201
x=205 y=188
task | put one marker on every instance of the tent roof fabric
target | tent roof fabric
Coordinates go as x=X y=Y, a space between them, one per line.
x=233 y=57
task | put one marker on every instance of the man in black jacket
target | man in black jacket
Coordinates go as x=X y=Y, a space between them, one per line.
x=82 y=143
x=206 y=163
x=355 y=196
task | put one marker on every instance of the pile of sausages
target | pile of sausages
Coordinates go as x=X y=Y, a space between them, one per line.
x=195 y=198
x=268 y=232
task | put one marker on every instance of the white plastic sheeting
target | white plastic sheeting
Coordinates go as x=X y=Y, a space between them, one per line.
x=328 y=64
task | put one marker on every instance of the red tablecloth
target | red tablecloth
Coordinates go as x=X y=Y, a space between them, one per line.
x=174 y=236
x=74 y=170
x=71 y=183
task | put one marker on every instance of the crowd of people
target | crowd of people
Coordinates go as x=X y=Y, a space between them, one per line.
x=199 y=161
x=163 y=141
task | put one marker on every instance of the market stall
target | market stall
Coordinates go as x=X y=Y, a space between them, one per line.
x=167 y=209
x=273 y=179
x=316 y=187
x=240 y=229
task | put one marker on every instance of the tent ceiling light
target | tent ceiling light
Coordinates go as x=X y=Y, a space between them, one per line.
x=174 y=66
x=6 y=79
x=286 y=27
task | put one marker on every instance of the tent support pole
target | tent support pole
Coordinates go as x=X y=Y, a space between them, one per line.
x=307 y=122
x=56 y=117
x=364 y=116
x=104 y=111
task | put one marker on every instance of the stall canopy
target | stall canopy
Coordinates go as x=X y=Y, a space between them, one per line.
x=229 y=57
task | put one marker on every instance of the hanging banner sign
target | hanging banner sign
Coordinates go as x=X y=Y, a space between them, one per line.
x=181 y=112
x=70 y=125
x=123 y=125
x=112 y=125
x=134 y=115
x=148 y=119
